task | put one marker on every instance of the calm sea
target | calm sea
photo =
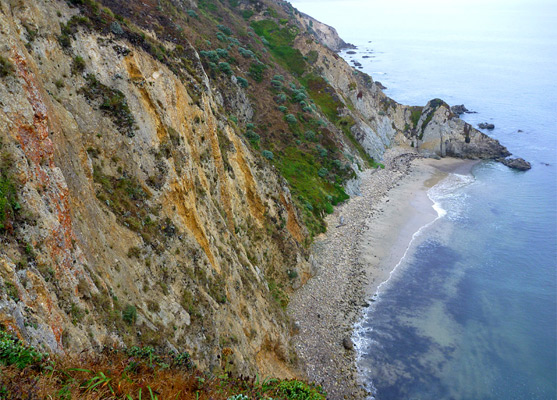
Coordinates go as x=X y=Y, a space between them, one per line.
x=471 y=312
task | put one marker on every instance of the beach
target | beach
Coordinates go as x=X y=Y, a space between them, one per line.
x=366 y=238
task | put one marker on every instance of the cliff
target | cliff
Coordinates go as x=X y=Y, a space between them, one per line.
x=165 y=165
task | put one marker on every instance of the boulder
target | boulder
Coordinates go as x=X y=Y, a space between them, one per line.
x=516 y=163
x=347 y=343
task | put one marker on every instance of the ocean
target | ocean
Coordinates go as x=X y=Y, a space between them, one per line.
x=471 y=310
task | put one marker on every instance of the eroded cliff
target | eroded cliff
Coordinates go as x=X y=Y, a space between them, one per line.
x=165 y=165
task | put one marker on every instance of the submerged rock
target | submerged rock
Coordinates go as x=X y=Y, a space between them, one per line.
x=516 y=163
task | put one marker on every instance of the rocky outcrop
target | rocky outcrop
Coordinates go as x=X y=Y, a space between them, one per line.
x=325 y=34
x=439 y=131
x=516 y=163
x=461 y=109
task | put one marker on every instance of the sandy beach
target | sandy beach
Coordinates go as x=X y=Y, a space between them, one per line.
x=366 y=238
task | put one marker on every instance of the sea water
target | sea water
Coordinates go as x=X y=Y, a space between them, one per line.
x=471 y=311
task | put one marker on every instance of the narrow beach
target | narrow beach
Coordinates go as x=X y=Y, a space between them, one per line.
x=366 y=238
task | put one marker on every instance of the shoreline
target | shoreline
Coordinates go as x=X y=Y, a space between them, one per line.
x=354 y=258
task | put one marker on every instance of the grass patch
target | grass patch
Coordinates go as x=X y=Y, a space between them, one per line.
x=280 y=41
x=131 y=373
x=313 y=193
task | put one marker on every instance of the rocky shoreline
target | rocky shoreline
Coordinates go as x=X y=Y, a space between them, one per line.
x=326 y=309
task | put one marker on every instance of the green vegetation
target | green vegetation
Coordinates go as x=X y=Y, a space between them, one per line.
x=14 y=352
x=78 y=65
x=9 y=205
x=128 y=200
x=280 y=41
x=256 y=71
x=129 y=374
x=6 y=67
x=415 y=115
x=112 y=102
x=129 y=314
x=302 y=171
x=242 y=82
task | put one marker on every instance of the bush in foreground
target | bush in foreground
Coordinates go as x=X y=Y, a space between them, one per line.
x=129 y=374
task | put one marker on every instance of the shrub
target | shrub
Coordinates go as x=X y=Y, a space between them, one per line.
x=224 y=29
x=78 y=65
x=247 y=14
x=222 y=53
x=256 y=70
x=211 y=55
x=337 y=164
x=64 y=40
x=225 y=67
x=242 y=82
x=282 y=109
x=279 y=78
x=129 y=314
x=246 y=53
x=322 y=172
x=14 y=352
x=267 y=154
x=299 y=96
x=276 y=84
x=6 y=67
x=281 y=98
x=252 y=136
x=116 y=28
x=310 y=135
x=192 y=14
x=291 y=119
x=297 y=390
x=322 y=151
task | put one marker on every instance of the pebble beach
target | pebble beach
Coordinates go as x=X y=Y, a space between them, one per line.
x=365 y=239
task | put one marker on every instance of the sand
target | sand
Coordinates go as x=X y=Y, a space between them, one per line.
x=354 y=257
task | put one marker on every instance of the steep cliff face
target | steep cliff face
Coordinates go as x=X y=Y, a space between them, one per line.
x=142 y=216
x=164 y=165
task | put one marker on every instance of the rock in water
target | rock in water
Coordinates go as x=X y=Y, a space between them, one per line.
x=485 y=125
x=516 y=163
x=459 y=109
